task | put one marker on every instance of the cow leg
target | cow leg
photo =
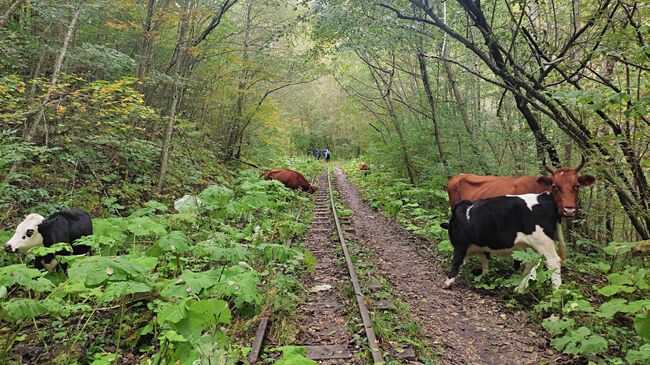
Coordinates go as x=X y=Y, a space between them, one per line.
x=485 y=266
x=560 y=236
x=456 y=261
x=527 y=267
x=543 y=244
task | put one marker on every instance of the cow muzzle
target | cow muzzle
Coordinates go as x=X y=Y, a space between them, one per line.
x=569 y=211
x=8 y=248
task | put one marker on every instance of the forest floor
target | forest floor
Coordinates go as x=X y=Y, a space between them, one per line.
x=468 y=327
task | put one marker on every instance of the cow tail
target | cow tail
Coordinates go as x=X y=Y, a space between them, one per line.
x=560 y=235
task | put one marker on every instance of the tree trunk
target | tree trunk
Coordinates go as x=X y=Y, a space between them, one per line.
x=12 y=9
x=147 y=41
x=424 y=74
x=31 y=130
x=178 y=59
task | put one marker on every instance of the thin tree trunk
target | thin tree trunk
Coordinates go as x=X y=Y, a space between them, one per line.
x=12 y=9
x=424 y=74
x=147 y=41
x=31 y=130
x=34 y=118
x=177 y=60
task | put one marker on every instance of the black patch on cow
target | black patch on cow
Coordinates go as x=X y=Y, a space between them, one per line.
x=64 y=226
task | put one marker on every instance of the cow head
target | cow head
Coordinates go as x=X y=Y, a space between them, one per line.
x=564 y=184
x=27 y=235
x=312 y=189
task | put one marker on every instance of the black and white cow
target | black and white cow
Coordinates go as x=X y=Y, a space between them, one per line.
x=64 y=226
x=501 y=225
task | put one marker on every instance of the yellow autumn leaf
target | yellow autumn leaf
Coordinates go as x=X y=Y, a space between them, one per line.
x=60 y=109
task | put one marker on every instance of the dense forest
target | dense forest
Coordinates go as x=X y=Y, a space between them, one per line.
x=137 y=110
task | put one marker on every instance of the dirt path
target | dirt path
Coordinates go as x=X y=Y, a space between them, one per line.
x=470 y=328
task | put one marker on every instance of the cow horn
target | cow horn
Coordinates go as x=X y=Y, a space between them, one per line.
x=581 y=164
x=546 y=166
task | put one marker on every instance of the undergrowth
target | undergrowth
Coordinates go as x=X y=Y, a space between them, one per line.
x=163 y=286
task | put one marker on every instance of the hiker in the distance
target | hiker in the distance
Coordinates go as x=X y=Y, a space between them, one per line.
x=327 y=155
x=317 y=153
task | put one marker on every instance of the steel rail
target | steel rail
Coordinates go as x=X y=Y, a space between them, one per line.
x=361 y=302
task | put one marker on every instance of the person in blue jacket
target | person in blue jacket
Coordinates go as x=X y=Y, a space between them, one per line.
x=327 y=155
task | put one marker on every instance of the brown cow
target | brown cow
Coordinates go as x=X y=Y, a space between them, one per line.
x=364 y=167
x=563 y=184
x=291 y=179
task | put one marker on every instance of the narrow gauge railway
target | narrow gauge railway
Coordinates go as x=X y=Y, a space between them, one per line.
x=325 y=329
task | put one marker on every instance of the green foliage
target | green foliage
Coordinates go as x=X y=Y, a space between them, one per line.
x=293 y=355
x=580 y=342
x=181 y=279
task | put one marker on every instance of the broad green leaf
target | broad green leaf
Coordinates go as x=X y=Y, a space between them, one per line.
x=610 y=308
x=24 y=276
x=16 y=309
x=171 y=312
x=580 y=305
x=122 y=288
x=145 y=226
x=175 y=241
x=556 y=326
x=637 y=305
x=42 y=250
x=190 y=284
x=610 y=290
x=293 y=355
x=593 y=345
x=640 y=356
x=620 y=278
x=642 y=326
x=95 y=270
x=174 y=336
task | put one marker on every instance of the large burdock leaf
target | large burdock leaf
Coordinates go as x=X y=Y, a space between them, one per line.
x=123 y=288
x=175 y=241
x=96 y=270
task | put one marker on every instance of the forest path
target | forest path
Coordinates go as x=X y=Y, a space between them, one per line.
x=469 y=327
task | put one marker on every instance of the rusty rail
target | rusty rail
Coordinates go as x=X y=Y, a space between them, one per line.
x=361 y=302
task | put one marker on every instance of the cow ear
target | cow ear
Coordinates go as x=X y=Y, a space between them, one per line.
x=586 y=180
x=545 y=180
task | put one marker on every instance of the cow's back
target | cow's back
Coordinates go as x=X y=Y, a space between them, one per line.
x=79 y=222
x=291 y=179
x=495 y=222
x=473 y=187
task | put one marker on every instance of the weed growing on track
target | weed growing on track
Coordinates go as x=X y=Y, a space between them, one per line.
x=602 y=310
x=181 y=288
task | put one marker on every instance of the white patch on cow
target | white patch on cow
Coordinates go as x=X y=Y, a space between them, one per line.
x=542 y=243
x=50 y=266
x=21 y=242
x=467 y=212
x=448 y=283
x=529 y=199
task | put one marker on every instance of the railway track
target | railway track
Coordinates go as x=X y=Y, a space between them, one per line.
x=327 y=334
x=328 y=314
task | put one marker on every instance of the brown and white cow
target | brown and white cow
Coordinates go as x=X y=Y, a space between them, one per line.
x=291 y=179
x=564 y=184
